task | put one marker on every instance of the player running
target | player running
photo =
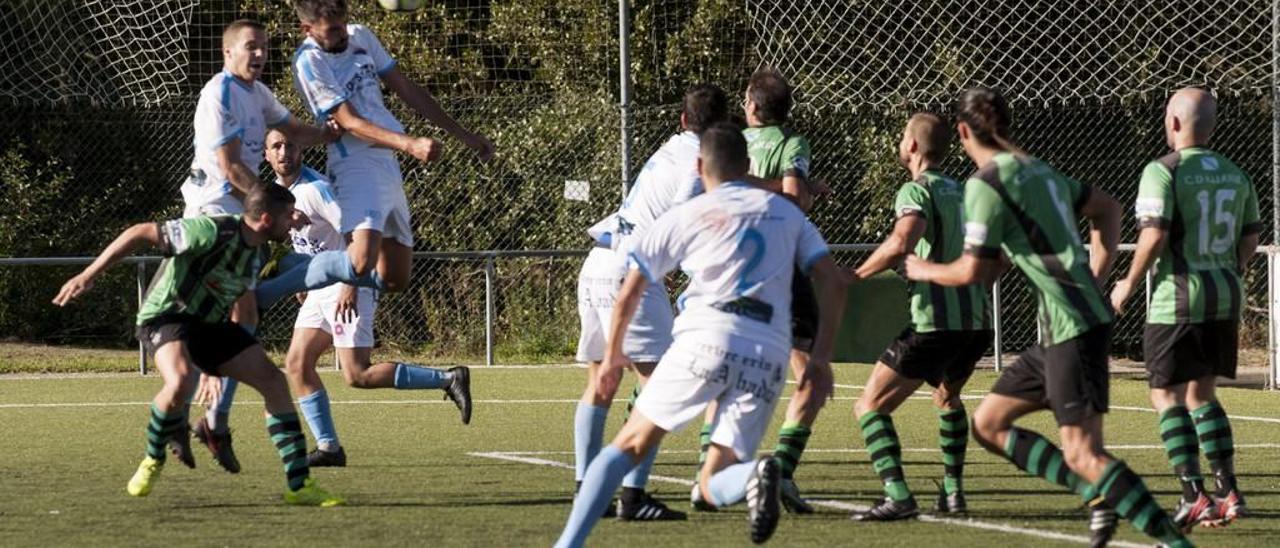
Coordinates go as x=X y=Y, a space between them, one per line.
x=738 y=243
x=1020 y=206
x=669 y=178
x=232 y=116
x=209 y=262
x=950 y=327
x=780 y=162
x=1198 y=215
x=340 y=69
x=339 y=316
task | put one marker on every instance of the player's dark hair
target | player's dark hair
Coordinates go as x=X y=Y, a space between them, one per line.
x=932 y=135
x=724 y=152
x=267 y=198
x=239 y=24
x=771 y=93
x=704 y=106
x=313 y=10
x=987 y=114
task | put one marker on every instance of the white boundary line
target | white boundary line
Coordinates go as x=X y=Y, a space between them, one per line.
x=904 y=449
x=838 y=505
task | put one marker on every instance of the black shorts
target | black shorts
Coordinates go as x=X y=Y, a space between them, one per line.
x=936 y=356
x=1184 y=352
x=804 y=312
x=209 y=344
x=1070 y=377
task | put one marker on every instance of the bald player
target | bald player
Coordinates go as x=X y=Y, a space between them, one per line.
x=1198 y=214
x=949 y=330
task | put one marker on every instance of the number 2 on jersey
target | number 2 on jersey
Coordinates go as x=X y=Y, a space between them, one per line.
x=753 y=237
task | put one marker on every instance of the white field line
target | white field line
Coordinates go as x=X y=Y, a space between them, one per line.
x=838 y=505
x=905 y=450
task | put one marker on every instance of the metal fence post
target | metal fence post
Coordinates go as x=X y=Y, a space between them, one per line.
x=1273 y=369
x=488 y=309
x=996 y=326
x=142 y=295
x=624 y=86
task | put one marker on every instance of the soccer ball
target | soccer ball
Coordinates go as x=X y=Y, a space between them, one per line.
x=400 y=5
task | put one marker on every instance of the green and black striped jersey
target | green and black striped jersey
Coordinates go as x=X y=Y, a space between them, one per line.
x=207 y=267
x=1028 y=209
x=1206 y=203
x=939 y=200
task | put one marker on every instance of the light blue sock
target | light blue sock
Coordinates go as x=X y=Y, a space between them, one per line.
x=417 y=377
x=315 y=407
x=588 y=435
x=314 y=272
x=598 y=485
x=638 y=477
x=729 y=486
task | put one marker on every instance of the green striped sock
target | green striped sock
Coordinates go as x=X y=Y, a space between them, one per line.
x=791 y=441
x=1036 y=455
x=161 y=427
x=1127 y=494
x=1183 y=449
x=953 y=438
x=881 y=440
x=704 y=443
x=286 y=433
x=1214 y=430
x=631 y=403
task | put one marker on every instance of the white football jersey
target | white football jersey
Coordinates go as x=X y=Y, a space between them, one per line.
x=668 y=179
x=327 y=80
x=229 y=108
x=314 y=198
x=737 y=244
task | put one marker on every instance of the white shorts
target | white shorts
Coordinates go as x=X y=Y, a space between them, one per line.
x=223 y=205
x=317 y=312
x=648 y=336
x=743 y=376
x=370 y=193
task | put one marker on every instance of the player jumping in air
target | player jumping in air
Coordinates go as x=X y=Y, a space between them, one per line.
x=950 y=327
x=340 y=69
x=339 y=316
x=232 y=116
x=209 y=263
x=1020 y=206
x=738 y=243
x=669 y=178
x=1198 y=215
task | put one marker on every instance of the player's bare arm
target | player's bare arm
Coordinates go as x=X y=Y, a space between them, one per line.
x=1245 y=249
x=907 y=232
x=425 y=104
x=238 y=174
x=423 y=148
x=968 y=269
x=1151 y=241
x=829 y=285
x=615 y=360
x=124 y=245
x=1103 y=213
x=306 y=135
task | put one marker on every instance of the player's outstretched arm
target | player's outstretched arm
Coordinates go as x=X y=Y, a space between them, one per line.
x=238 y=174
x=968 y=269
x=421 y=100
x=422 y=148
x=124 y=245
x=624 y=309
x=307 y=135
x=907 y=232
x=1151 y=242
x=1245 y=249
x=1103 y=213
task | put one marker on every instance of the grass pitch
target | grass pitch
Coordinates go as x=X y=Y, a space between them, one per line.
x=416 y=475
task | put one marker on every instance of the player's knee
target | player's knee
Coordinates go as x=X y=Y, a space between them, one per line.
x=986 y=430
x=1081 y=457
x=362 y=380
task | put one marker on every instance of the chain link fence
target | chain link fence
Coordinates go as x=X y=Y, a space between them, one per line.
x=101 y=95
